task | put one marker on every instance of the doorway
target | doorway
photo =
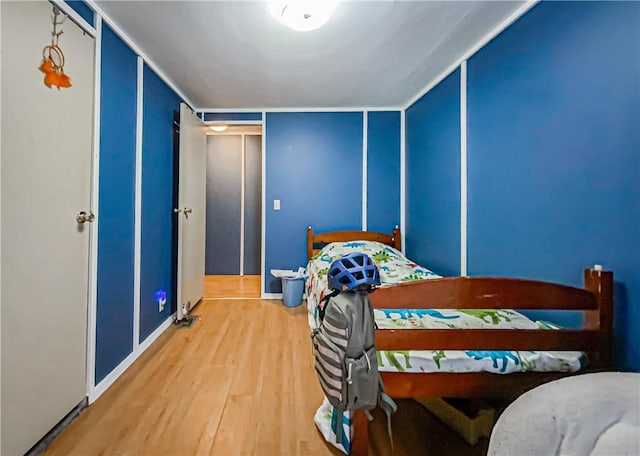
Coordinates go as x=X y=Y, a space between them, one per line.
x=234 y=212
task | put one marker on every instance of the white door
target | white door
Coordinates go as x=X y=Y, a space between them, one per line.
x=192 y=197
x=46 y=182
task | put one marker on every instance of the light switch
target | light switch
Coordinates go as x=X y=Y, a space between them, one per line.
x=276 y=205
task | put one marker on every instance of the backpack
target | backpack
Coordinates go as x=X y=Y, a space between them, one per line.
x=345 y=357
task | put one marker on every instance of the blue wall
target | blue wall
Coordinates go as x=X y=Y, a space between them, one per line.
x=159 y=103
x=554 y=152
x=314 y=166
x=383 y=171
x=553 y=156
x=433 y=178
x=114 y=318
x=232 y=116
x=83 y=10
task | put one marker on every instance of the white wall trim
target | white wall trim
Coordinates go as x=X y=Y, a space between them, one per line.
x=271 y=296
x=92 y=307
x=233 y=122
x=75 y=17
x=120 y=32
x=263 y=233
x=299 y=109
x=473 y=49
x=243 y=183
x=463 y=168
x=365 y=147
x=403 y=181
x=137 y=239
x=101 y=387
x=234 y=133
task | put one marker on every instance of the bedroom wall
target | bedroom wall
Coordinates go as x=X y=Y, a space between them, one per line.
x=432 y=232
x=553 y=169
x=314 y=167
x=301 y=149
x=114 y=318
x=83 y=10
x=383 y=170
x=232 y=116
x=159 y=104
x=135 y=171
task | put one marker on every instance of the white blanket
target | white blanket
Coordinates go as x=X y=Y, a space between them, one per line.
x=591 y=414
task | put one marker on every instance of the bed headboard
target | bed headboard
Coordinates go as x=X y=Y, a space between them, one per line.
x=321 y=239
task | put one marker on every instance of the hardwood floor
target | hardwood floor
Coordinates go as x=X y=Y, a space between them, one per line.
x=240 y=381
x=231 y=286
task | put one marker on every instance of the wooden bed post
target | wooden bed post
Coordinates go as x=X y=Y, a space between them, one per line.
x=397 y=238
x=600 y=283
x=360 y=437
x=309 y=243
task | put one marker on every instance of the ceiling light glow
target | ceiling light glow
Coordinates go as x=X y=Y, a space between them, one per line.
x=218 y=128
x=303 y=15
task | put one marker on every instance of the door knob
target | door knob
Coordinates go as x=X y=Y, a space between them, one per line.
x=187 y=211
x=177 y=211
x=83 y=217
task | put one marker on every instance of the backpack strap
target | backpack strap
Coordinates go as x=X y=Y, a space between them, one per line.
x=337 y=425
x=325 y=300
x=389 y=406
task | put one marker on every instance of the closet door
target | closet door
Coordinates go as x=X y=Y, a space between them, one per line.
x=252 y=204
x=224 y=196
x=46 y=183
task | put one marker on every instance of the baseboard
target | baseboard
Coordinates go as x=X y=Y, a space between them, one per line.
x=40 y=447
x=271 y=296
x=100 y=388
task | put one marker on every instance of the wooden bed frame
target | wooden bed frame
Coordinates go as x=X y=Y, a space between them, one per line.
x=595 y=299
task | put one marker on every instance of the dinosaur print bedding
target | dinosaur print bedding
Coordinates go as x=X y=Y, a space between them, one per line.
x=395 y=268
x=497 y=362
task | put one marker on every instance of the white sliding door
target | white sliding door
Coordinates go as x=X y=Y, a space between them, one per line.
x=46 y=183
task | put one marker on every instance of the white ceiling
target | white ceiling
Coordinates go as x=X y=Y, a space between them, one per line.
x=236 y=55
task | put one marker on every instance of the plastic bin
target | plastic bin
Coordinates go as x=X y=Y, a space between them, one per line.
x=292 y=291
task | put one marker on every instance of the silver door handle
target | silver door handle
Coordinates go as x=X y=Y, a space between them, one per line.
x=187 y=211
x=177 y=211
x=83 y=217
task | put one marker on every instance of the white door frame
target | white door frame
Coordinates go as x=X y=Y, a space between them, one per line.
x=263 y=162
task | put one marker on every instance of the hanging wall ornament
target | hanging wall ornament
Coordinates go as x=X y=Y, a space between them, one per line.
x=53 y=58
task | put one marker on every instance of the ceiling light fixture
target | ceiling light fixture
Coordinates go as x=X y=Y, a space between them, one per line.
x=218 y=128
x=303 y=15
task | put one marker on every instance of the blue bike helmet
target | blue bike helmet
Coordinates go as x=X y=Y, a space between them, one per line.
x=352 y=271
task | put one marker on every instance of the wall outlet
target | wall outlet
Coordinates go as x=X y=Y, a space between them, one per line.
x=276 y=205
x=161 y=299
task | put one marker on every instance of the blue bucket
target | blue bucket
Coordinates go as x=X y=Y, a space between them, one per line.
x=292 y=291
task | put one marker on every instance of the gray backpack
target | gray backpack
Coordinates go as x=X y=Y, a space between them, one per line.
x=345 y=356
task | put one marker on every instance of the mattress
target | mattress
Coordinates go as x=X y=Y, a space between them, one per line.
x=396 y=268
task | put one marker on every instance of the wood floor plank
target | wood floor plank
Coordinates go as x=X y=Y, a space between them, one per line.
x=240 y=381
x=231 y=286
x=237 y=420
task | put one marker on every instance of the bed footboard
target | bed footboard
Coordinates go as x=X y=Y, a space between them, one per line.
x=595 y=300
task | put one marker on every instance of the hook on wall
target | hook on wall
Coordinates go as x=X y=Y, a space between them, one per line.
x=52 y=56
